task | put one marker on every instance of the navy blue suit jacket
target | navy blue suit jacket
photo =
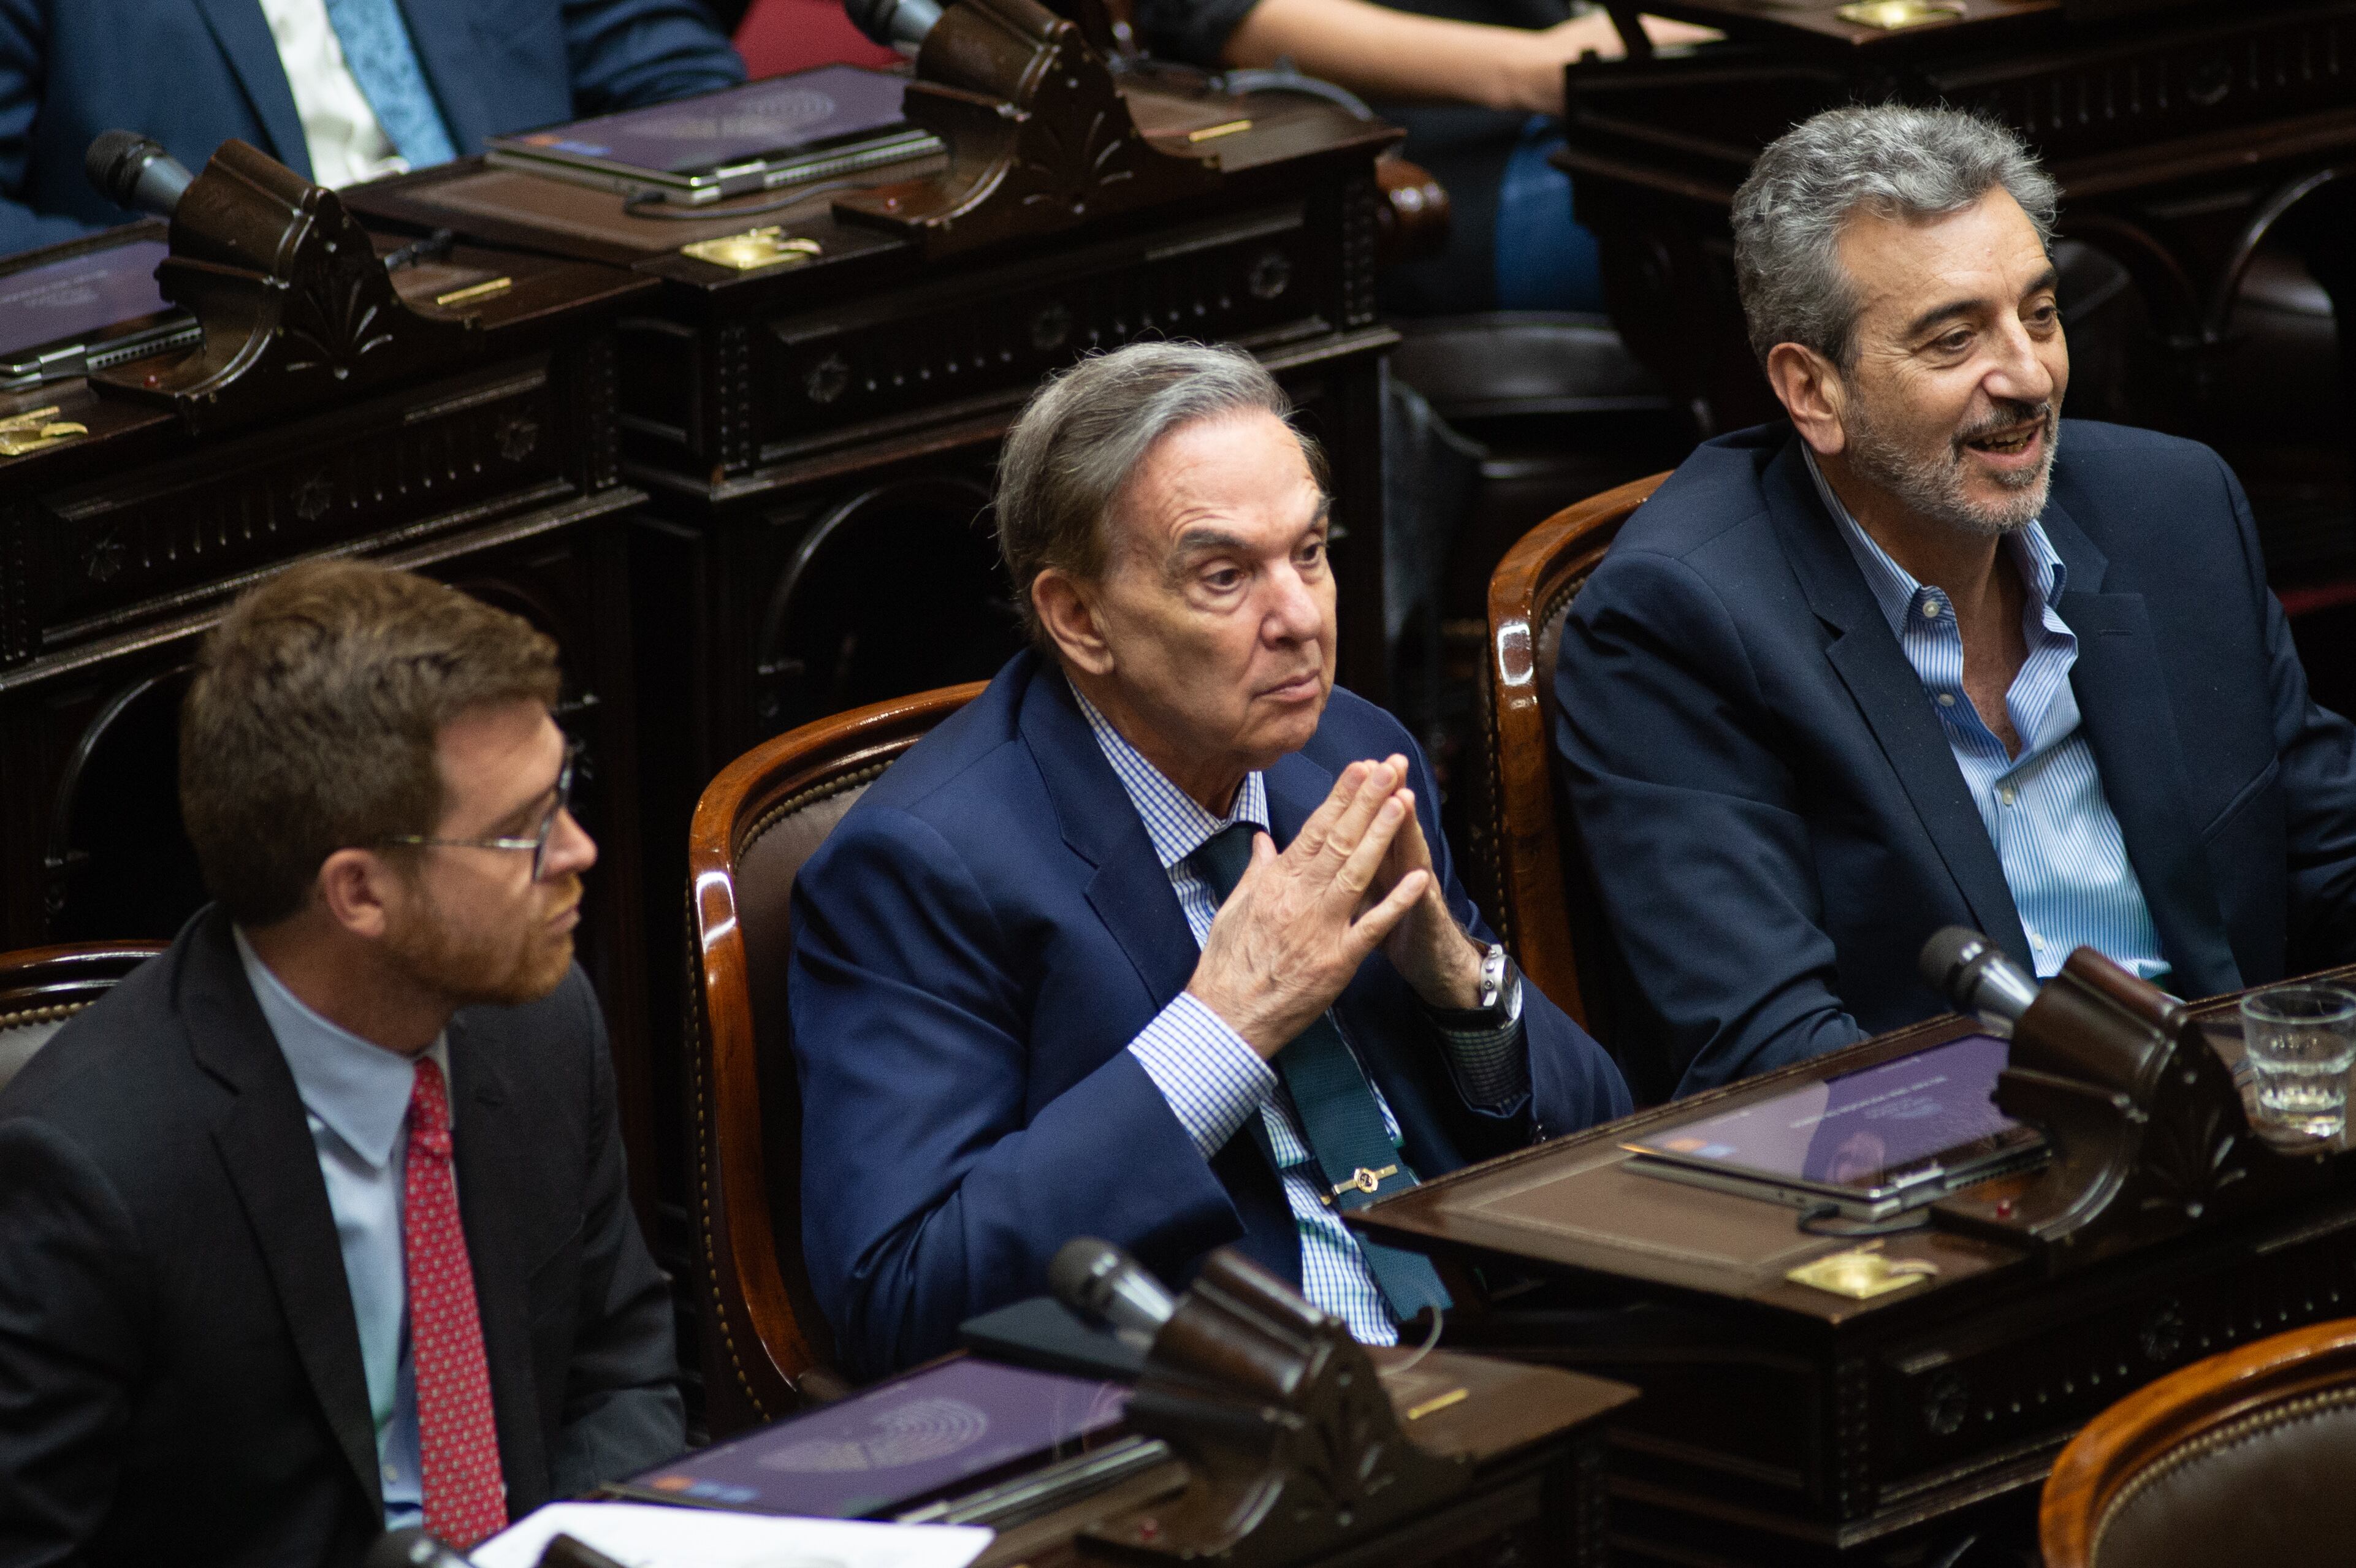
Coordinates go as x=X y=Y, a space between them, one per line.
x=194 y=74
x=1775 y=819
x=975 y=946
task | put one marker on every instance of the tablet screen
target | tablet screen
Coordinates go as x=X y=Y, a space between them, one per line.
x=1862 y=1130
x=79 y=297
x=806 y=112
x=878 y=1451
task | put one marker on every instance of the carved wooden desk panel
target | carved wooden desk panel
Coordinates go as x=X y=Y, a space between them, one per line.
x=498 y=469
x=1537 y=1495
x=1783 y=1424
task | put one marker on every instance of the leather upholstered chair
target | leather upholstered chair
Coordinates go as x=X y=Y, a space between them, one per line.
x=1539 y=900
x=767 y=1348
x=2247 y=1457
x=41 y=987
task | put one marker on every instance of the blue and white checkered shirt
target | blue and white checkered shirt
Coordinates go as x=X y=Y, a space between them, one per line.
x=2054 y=831
x=1214 y=1081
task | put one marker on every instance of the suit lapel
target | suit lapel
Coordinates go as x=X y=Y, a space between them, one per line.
x=245 y=37
x=1865 y=654
x=1130 y=891
x=265 y=1143
x=2130 y=726
x=493 y=1186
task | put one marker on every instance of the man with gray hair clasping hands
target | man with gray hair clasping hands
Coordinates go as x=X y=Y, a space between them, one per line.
x=1927 y=654
x=1157 y=940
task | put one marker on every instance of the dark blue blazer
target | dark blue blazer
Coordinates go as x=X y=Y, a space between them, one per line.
x=193 y=73
x=975 y=946
x=1775 y=819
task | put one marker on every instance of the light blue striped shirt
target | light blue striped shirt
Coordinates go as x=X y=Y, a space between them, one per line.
x=1214 y=1081
x=2054 y=831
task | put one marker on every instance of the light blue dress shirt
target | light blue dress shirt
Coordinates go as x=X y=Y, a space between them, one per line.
x=2054 y=832
x=355 y=1098
x=1214 y=1081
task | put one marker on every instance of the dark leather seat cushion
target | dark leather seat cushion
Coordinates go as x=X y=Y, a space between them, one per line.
x=2277 y=1488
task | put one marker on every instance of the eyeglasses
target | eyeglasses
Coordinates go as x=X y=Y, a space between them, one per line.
x=538 y=843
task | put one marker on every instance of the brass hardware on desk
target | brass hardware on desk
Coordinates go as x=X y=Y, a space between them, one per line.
x=752 y=250
x=36 y=429
x=1891 y=16
x=1861 y=1273
x=475 y=291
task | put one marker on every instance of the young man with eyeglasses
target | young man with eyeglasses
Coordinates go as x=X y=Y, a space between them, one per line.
x=317 y=1224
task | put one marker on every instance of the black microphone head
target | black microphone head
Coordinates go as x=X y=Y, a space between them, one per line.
x=1078 y=1273
x=411 y=1548
x=1098 y=1280
x=134 y=171
x=894 y=23
x=1946 y=955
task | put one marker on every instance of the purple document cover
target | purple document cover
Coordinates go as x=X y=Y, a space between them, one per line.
x=883 y=1450
x=58 y=301
x=808 y=109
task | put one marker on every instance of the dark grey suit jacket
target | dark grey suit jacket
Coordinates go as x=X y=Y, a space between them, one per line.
x=180 y=1374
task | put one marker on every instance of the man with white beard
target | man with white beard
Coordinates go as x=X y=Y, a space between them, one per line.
x=1926 y=654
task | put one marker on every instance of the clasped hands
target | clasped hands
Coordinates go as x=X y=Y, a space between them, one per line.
x=1298 y=923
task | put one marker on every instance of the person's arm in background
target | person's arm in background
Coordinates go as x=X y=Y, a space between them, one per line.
x=24 y=39
x=628 y=53
x=1401 y=57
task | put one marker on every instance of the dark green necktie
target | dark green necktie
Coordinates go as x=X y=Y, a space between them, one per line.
x=1339 y=1116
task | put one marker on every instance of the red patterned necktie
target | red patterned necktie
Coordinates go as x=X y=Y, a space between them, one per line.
x=459 y=1443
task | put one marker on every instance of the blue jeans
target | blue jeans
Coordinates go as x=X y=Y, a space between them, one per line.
x=1545 y=261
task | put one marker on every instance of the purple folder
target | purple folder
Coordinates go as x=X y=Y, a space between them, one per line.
x=883 y=1451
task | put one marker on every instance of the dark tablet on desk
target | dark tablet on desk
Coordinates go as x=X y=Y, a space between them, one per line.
x=942 y=1428
x=809 y=125
x=1870 y=1143
x=99 y=307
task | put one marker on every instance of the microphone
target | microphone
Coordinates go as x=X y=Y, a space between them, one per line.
x=1973 y=973
x=1098 y=1280
x=410 y=1548
x=134 y=171
x=896 y=24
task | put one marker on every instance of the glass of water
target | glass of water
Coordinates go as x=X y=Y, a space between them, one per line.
x=2301 y=1042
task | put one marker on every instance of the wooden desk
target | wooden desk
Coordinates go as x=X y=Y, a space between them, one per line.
x=498 y=468
x=1537 y=1495
x=1784 y=1424
x=2180 y=138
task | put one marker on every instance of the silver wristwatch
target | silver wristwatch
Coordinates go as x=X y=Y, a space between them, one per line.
x=1494 y=969
x=1501 y=995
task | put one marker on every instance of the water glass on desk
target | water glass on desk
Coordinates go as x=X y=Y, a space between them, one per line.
x=2301 y=1042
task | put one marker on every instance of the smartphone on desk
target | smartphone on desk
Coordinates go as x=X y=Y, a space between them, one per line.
x=1870 y=1143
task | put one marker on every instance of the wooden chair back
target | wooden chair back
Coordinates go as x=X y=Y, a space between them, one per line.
x=757 y=824
x=41 y=987
x=1539 y=903
x=2243 y=1457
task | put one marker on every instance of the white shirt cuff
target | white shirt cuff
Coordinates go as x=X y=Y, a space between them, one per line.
x=1212 y=1079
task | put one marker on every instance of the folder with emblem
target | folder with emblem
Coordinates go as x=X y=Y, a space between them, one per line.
x=786 y=130
x=942 y=1428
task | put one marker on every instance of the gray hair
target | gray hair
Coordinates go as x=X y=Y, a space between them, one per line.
x=1888 y=159
x=1087 y=431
